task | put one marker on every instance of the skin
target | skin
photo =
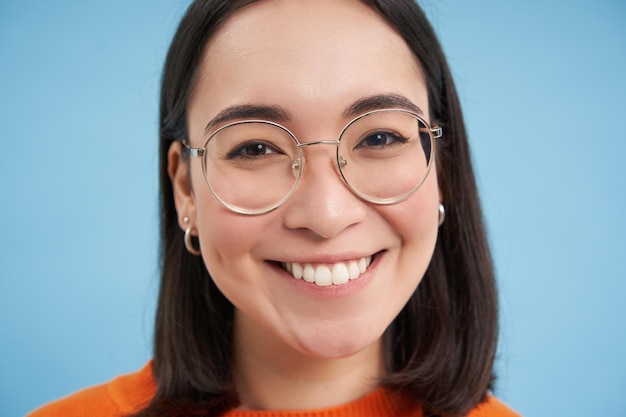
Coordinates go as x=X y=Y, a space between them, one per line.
x=297 y=349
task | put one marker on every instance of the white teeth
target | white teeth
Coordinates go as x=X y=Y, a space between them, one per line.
x=363 y=265
x=340 y=274
x=296 y=270
x=308 y=273
x=354 y=270
x=325 y=275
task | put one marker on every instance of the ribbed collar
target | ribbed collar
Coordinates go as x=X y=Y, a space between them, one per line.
x=134 y=391
x=379 y=403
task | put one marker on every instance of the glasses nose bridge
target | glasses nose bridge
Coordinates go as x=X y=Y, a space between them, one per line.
x=318 y=142
x=335 y=143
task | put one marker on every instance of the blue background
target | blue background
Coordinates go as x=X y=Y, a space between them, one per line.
x=544 y=94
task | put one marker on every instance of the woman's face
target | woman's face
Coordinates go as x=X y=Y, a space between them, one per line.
x=312 y=60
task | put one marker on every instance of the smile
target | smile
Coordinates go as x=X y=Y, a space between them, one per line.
x=324 y=275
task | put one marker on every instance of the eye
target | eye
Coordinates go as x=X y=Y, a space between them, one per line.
x=381 y=139
x=252 y=150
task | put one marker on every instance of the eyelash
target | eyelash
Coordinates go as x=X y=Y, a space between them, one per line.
x=239 y=151
x=396 y=138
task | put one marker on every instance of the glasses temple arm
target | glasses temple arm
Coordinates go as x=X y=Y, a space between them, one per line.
x=193 y=151
x=436 y=131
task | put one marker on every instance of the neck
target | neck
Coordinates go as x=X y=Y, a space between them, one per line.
x=271 y=375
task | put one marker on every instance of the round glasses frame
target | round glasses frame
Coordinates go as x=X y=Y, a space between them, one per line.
x=434 y=132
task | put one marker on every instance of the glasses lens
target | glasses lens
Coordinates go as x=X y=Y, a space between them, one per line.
x=385 y=156
x=249 y=166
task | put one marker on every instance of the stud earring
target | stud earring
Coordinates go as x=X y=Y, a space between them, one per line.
x=187 y=239
x=442 y=214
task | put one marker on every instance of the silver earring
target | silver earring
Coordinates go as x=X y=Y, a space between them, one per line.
x=442 y=214
x=187 y=239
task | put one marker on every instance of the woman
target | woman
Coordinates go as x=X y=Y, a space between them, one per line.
x=322 y=240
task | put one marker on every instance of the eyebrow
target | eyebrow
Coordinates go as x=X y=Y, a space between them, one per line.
x=379 y=102
x=279 y=115
x=248 y=111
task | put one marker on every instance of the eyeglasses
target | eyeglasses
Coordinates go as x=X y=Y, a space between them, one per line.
x=253 y=166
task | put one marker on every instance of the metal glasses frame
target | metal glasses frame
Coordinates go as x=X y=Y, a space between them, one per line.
x=436 y=132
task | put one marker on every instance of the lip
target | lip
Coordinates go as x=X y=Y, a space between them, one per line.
x=332 y=291
x=327 y=259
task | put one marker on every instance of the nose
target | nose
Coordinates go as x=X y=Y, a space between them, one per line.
x=322 y=203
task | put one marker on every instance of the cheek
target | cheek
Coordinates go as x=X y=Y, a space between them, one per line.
x=228 y=240
x=415 y=221
x=230 y=245
x=220 y=231
x=417 y=217
x=223 y=233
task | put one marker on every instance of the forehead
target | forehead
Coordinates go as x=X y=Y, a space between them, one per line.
x=326 y=19
x=322 y=52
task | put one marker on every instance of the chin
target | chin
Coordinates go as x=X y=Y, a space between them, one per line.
x=339 y=344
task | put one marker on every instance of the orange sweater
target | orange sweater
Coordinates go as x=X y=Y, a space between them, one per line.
x=130 y=393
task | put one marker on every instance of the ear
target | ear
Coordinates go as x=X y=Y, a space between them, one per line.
x=178 y=171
